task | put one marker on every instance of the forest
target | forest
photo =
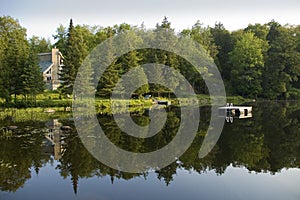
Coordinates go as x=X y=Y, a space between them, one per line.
x=259 y=61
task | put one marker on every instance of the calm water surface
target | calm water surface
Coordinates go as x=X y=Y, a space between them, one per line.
x=255 y=158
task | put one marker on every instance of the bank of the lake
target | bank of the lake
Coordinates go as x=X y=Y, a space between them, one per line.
x=57 y=102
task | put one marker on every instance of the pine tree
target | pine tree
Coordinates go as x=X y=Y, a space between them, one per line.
x=67 y=73
x=224 y=43
x=32 y=79
x=155 y=75
x=110 y=76
x=76 y=52
x=84 y=81
x=129 y=62
x=165 y=39
x=108 y=81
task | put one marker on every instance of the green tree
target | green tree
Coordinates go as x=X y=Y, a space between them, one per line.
x=110 y=76
x=32 y=79
x=76 y=51
x=108 y=81
x=61 y=37
x=282 y=63
x=247 y=65
x=14 y=53
x=130 y=61
x=260 y=31
x=40 y=45
x=165 y=37
x=203 y=36
x=224 y=43
x=156 y=75
x=85 y=82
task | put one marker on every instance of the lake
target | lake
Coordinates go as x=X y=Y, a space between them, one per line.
x=254 y=158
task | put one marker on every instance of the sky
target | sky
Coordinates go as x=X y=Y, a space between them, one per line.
x=42 y=17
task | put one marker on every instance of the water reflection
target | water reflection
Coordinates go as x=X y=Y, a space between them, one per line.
x=266 y=143
x=53 y=139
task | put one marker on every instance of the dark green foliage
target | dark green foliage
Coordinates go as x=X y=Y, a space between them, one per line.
x=38 y=103
x=282 y=62
x=262 y=60
x=61 y=37
x=76 y=52
x=130 y=61
x=224 y=42
x=40 y=45
x=247 y=65
x=13 y=57
x=85 y=86
x=32 y=78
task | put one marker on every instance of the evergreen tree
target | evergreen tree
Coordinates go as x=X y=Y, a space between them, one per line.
x=224 y=42
x=130 y=61
x=110 y=76
x=108 y=81
x=85 y=82
x=165 y=38
x=156 y=76
x=76 y=52
x=203 y=36
x=32 y=79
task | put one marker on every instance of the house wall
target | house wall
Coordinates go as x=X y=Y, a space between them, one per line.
x=54 y=57
x=56 y=60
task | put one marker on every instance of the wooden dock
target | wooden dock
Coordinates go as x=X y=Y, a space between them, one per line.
x=229 y=109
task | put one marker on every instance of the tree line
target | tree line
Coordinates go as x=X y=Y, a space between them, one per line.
x=259 y=61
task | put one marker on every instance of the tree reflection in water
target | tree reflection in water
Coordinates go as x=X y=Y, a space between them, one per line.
x=266 y=143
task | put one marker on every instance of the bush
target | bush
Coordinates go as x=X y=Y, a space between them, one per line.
x=39 y=103
x=294 y=94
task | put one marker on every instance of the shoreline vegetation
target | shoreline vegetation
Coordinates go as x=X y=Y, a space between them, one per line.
x=53 y=105
x=54 y=99
x=15 y=115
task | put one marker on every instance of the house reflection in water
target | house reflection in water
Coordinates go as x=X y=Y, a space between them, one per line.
x=52 y=142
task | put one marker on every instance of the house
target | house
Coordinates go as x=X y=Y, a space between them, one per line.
x=50 y=64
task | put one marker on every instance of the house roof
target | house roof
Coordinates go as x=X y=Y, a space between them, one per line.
x=45 y=65
x=43 y=54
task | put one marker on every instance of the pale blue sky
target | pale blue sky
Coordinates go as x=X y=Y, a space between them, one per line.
x=41 y=18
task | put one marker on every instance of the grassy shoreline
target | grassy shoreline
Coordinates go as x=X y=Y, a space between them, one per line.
x=61 y=108
x=54 y=100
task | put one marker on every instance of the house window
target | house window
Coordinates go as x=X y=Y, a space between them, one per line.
x=48 y=78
